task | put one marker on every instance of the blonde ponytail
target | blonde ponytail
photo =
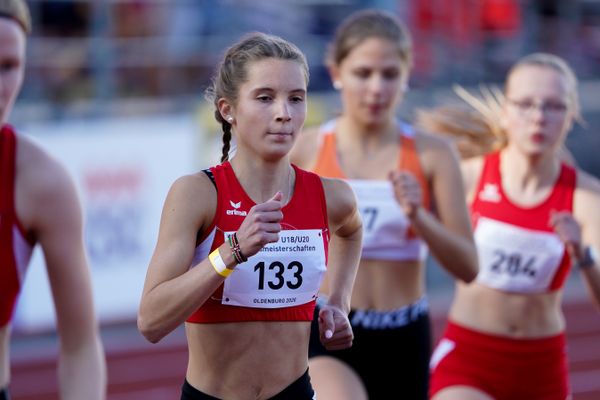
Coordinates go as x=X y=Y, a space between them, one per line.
x=474 y=126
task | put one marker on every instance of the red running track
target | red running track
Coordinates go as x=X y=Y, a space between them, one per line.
x=139 y=370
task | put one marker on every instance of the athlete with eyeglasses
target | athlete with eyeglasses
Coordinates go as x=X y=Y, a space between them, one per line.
x=552 y=108
x=535 y=217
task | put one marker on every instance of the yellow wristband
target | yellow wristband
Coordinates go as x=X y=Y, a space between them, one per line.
x=218 y=264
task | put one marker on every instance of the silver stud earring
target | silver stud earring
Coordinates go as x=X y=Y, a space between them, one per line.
x=337 y=85
x=229 y=119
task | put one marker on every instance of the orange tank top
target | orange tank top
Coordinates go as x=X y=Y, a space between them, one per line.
x=386 y=229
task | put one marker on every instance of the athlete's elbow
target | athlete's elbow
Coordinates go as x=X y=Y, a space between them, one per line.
x=596 y=302
x=150 y=331
x=470 y=271
x=469 y=276
x=470 y=264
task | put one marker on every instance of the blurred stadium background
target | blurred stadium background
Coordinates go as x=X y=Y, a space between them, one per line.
x=114 y=88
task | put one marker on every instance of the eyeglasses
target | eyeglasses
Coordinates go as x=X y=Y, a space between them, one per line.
x=554 y=108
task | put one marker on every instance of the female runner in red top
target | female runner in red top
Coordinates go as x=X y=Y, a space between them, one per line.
x=243 y=246
x=39 y=205
x=534 y=216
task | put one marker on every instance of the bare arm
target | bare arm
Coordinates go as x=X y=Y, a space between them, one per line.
x=344 y=254
x=172 y=290
x=48 y=201
x=449 y=238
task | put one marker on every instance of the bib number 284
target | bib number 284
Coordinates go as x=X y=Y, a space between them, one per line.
x=513 y=264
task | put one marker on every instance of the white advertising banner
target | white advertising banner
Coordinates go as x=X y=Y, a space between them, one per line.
x=123 y=170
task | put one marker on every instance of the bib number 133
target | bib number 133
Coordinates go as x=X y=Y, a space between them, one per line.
x=285 y=273
x=279 y=277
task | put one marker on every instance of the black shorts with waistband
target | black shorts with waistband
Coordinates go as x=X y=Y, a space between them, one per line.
x=300 y=389
x=390 y=351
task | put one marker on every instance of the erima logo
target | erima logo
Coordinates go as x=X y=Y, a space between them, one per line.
x=490 y=193
x=235 y=210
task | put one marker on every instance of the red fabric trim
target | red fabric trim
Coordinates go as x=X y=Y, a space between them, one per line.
x=9 y=278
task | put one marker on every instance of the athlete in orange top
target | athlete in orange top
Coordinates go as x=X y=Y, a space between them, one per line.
x=242 y=247
x=39 y=205
x=399 y=176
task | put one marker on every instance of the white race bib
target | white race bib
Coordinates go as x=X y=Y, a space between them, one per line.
x=384 y=223
x=282 y=274
x=516 y=259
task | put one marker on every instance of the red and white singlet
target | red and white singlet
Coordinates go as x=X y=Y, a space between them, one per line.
x=281 y=282
x=518 y=249
x=15 y=246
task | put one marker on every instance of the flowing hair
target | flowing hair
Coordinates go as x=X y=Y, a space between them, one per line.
x=474 y=125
